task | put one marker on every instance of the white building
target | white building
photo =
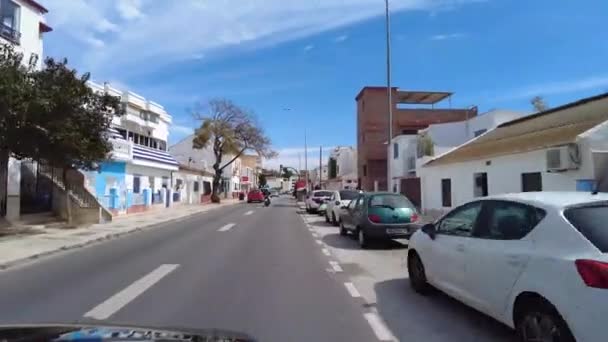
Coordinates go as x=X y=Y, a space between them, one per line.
x=203 y=159
x=139 y=172
x=342 y=168
x=561 y=149
x=318 y=178
x=411 y=151
x=22 y=24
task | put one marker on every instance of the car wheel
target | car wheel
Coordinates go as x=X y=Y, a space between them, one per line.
x=326 y=218
x=343 y=230
x=415 y=269
x=333 y=219
x=363 y=240
x=540 y=321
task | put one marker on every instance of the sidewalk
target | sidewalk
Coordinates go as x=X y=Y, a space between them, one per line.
x=35 y=243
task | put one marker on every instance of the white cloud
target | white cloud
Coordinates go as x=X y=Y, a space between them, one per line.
x=309 y=47
x=447 y=36
x=599 y=83
x=129 y=9
x=340 y=39
x=295 y=157
x=197 y=56
x=174 y=29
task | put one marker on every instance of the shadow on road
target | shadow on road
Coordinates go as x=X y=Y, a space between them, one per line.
x=434 y=318
x=349 y=242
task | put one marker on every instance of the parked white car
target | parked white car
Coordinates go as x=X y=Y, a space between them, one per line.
x=315 y=199
x=337 y=200
x=536 y=261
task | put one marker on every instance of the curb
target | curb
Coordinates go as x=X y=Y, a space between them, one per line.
x=107 y=237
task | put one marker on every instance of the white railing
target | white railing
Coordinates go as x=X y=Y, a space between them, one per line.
x=122 y=149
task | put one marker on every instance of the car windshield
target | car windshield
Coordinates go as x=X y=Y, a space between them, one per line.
x=390 y=201
x=322 y=194
x=591 y=222
x=348 y=195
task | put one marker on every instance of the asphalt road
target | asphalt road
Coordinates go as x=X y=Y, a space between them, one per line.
x=245 y=268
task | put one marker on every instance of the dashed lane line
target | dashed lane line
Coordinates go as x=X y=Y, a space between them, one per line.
x=336 y=267
x=249 y=213
x=352 y=290
x=319 y=242
x=226 y=227
x=378 y=326
x=124 y=297
x=325 y=251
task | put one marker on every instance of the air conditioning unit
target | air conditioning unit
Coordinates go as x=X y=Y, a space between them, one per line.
x=563 y=158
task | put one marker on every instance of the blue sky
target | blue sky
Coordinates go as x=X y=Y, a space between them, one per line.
x=313 y=57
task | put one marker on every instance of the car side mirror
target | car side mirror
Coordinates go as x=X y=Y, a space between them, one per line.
x=430 y=230
x=337 y=202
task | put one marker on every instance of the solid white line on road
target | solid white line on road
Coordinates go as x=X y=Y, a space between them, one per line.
x=319 y=242
x=379 y=328
x=335 y=266
x=325 y=251
x=315 y=235
x=249 y=213
x=122 y=298
x=226 y=227
x=350 y=287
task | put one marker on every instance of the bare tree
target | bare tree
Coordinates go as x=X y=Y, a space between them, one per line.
x=230 y=131
x=539 y=104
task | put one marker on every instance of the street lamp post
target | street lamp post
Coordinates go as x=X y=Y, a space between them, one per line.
x=390 y=97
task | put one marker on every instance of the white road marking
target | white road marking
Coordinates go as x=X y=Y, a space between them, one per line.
x=325 y=251
x=226 y=227
x=336 y=266
x=319 y=242
x=352 y=290
x=315 y=235
x=122 y=298
x=249 y=213
x=379 y=328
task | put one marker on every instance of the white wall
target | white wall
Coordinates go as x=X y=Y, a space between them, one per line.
x=504 y=176
x=31 y=41
x=346 y=160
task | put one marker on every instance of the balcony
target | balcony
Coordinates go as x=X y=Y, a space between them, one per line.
x=10 y=33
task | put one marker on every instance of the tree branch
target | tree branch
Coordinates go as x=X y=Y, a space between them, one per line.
x=233 y=159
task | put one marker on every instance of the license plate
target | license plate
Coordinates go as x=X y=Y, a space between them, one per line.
x=398 y=231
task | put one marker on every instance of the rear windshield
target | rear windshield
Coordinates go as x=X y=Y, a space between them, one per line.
x=591 y=222
x=322 y=194
x=348 y=195
x=390 y=201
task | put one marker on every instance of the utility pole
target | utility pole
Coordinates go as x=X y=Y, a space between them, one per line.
x=390 y=97
x=306 y=160
x=320 y=166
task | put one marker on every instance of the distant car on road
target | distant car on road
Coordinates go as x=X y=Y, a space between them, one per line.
x=255 y=195
x=379 y=216
x=535 y=261
x=315 y=198
x=337 y=200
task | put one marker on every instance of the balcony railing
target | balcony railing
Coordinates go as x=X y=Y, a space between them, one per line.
x=10 y=33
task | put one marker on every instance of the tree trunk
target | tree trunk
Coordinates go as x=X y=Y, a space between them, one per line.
x=216 y=184
x=4 y=157
x=68 y=206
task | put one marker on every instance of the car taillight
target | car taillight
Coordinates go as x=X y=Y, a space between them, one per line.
x=594 y=273
x=414 y=217
x=374 y=218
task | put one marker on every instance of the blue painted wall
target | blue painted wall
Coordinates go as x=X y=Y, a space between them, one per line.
x=110 y=174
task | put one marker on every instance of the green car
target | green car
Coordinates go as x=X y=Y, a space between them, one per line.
x=322 y=209
x=379 y=216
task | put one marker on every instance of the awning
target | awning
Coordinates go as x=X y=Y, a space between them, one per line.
x=150 y=154
x=114 y=134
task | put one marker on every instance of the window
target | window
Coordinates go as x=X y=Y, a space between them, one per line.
x=461 y=221
x=364 y=170
x=591 y=222
x=481 y=184
x=508 y=220
x=136 y=184
x=480 y=132
x=446 y=192
x=9 y=20
x=531 y=181
x=395 y=150
x=153 y=117
x=359 y=202
x=195 y=186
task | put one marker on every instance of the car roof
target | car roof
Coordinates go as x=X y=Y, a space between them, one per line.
x=383 y=193
x=554 y=199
